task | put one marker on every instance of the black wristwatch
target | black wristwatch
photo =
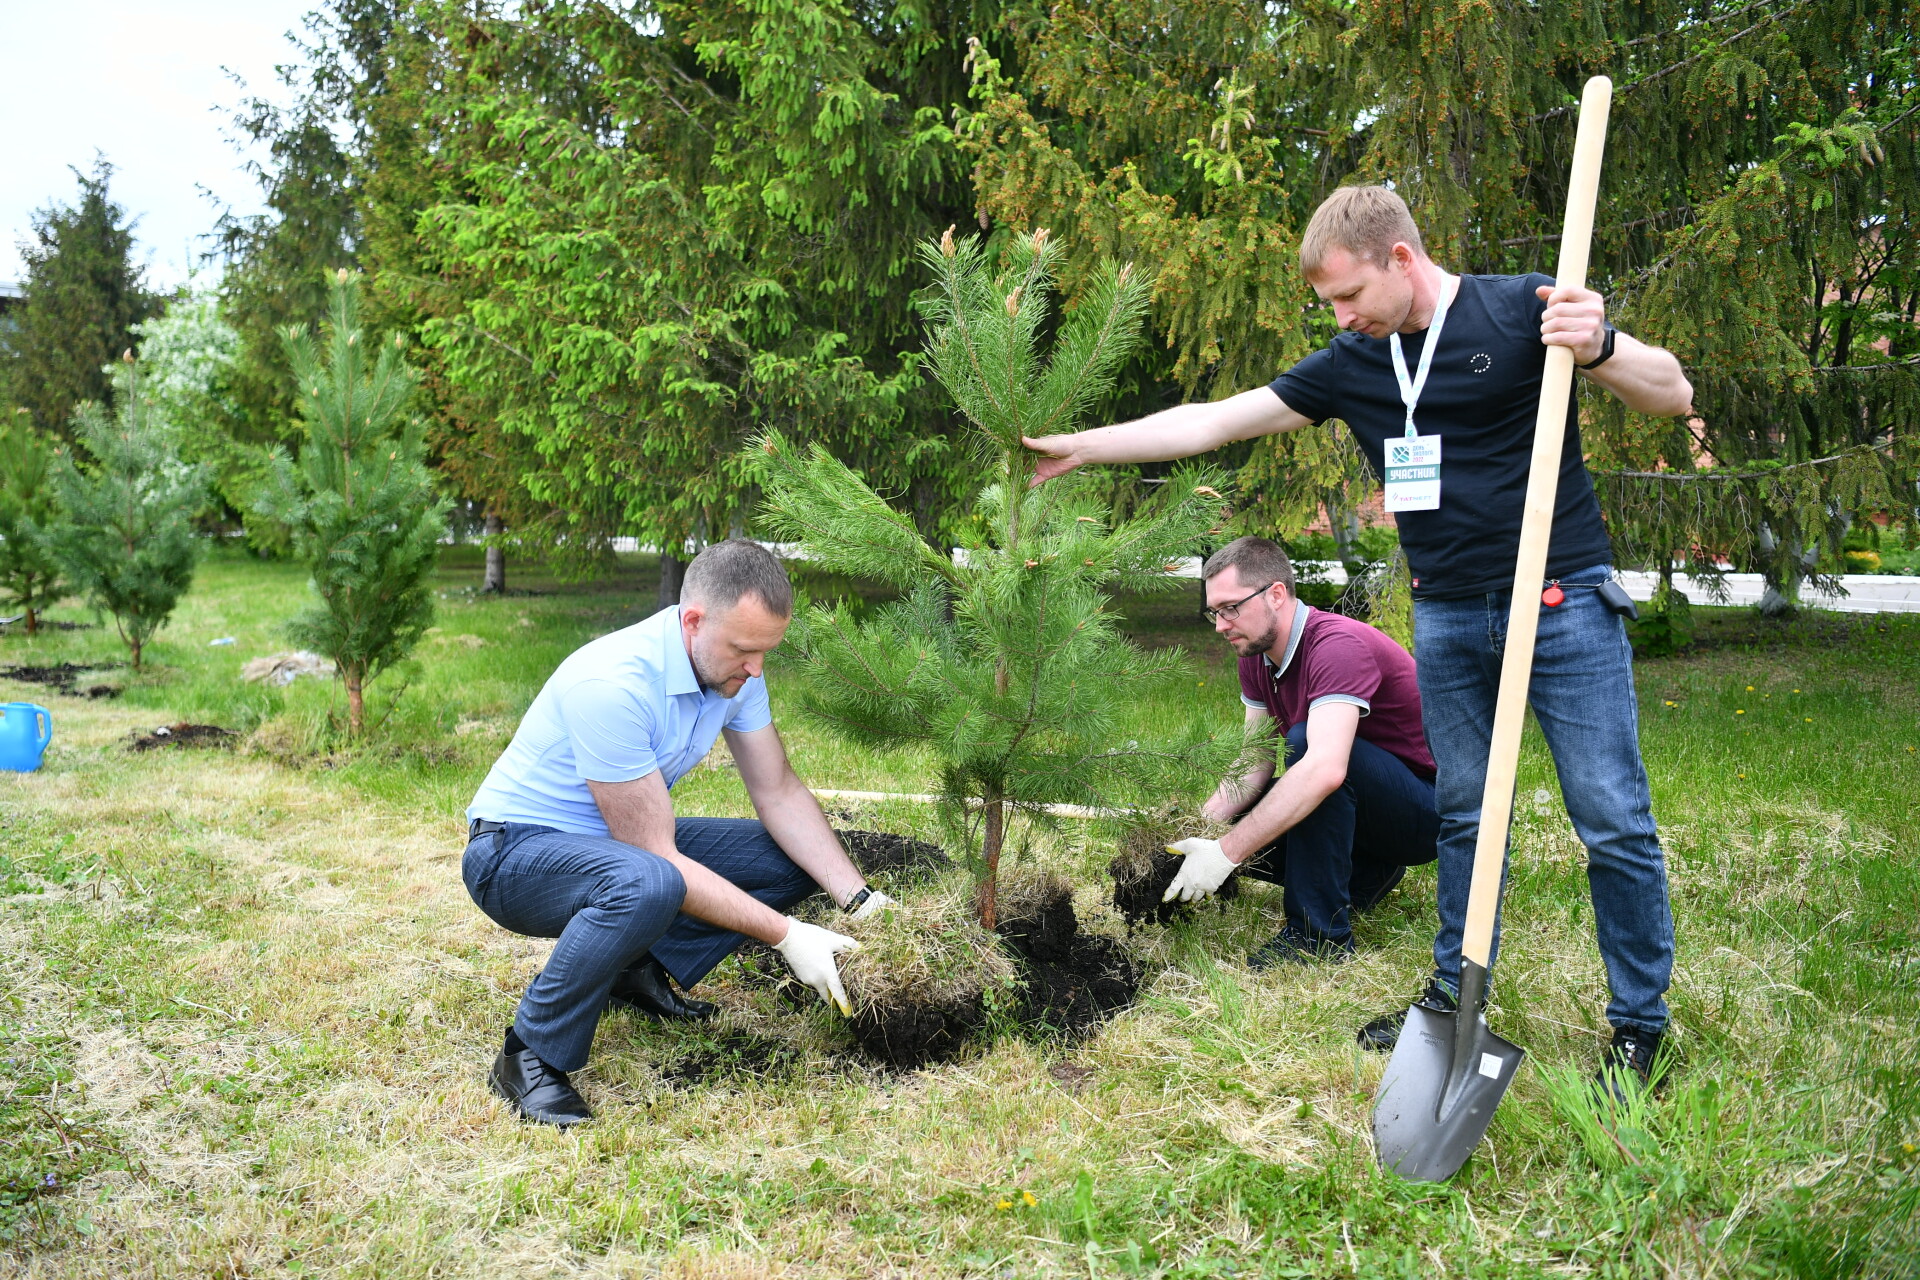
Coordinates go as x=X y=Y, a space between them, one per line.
x=1606 y=351
x=853 y=904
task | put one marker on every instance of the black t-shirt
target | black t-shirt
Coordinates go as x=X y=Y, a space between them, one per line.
x=1481 y=398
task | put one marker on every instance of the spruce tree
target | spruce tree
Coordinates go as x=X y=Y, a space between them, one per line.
x=30 y=578
x=362 y=507
x=1004 y=658
x=83 y=297
x=126 y=540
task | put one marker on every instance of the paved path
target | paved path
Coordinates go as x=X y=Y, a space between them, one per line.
x=1865 y=592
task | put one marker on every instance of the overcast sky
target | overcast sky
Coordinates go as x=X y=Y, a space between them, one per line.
x=141 y=82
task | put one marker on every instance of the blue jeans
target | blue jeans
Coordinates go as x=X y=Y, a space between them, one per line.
x=1351 y=851
x=609 y=904
x=1582 y=695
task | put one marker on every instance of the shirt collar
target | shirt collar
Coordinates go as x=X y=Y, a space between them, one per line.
x=1300 y=611
x=676 y=665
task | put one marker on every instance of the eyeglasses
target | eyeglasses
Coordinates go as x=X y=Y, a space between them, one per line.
x=1231 y=611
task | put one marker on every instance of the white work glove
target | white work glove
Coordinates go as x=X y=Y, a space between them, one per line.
x=1204 y=871
x=809 y=951
x=876 y=901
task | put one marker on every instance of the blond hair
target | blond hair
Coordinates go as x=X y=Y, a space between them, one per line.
x=1365 y=221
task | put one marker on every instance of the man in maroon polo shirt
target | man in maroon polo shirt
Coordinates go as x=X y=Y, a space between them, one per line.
x=1355 y=806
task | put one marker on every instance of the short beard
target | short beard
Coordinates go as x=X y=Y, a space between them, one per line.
x=1264 y=643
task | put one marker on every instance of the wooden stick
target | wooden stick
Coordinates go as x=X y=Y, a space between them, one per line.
x=1536 y=527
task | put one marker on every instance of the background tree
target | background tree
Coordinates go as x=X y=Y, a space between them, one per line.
x=1757 y=219
x=188 y=360
x=125 y=537
x=1005 y=661
x=30 y=578
x=278 y=262
x=362 y=507
x=651 y=231
x=83 y=296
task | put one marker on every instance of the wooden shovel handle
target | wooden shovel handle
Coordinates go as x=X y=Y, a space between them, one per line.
x=1536 y=526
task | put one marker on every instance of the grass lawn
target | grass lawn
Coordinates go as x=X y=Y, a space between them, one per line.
x=249 y=1008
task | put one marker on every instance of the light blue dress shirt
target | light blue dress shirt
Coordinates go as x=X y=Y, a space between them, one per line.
x=617 y=709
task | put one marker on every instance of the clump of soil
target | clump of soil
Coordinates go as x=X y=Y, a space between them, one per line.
x=64 y=678
x=731 y=1054
x=884 y=853
x=1141 y=872
x=1074 y=980
x=922 y=982
x=184 y=735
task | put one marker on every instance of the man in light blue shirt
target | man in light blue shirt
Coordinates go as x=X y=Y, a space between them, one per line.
x=573 y=835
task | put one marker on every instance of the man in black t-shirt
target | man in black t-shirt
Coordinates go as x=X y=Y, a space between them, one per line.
x=1451 y=431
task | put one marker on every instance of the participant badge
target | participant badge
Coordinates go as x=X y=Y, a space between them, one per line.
x=1413 y=473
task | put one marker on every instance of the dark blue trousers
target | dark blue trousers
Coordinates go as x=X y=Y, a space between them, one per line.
x=609 y=905
x=1351 y=851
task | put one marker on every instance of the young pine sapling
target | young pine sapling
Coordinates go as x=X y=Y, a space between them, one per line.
x=124 y=532
x=1004 y=659
x=361 y=505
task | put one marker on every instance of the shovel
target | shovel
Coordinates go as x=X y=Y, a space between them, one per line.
x=1449 y=1071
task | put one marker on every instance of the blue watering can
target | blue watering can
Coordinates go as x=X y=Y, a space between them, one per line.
x=25 y=731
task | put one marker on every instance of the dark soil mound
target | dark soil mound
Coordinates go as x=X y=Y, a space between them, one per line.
x=882 y=852
x=1074 y=980
x=64 y=678
x=912 y=1035
x=184 y=735
x=731 y=1054
x=1138 y=894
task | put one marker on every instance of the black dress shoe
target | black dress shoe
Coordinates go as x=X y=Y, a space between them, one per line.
x=536 y=1090
x=1633 y=1063
x=646 y=988
x=1383 y=1032
x=1293 y=946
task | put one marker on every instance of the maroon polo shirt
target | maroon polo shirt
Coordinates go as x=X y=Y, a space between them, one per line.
x=1330 y=658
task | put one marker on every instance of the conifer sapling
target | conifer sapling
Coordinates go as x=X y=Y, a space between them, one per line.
x=1003 y=659
x=30 y=578
x=360 y=504
x=125 y=538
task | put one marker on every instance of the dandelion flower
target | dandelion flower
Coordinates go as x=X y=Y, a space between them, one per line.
x=1749 y=688
x=1739 y=711
x=1672 y=703
x=1026 y=1198
x=1809 y=719
x=1004 y=1205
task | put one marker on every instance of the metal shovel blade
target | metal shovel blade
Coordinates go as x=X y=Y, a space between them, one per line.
x=1447 y=1075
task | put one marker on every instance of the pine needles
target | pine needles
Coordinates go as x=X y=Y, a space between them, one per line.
x=1004 y=655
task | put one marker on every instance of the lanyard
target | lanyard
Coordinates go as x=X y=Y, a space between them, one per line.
x=1410 y=388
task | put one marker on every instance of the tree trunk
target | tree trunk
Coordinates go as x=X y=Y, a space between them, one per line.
x=996 y=836
x=673 y=571
x=356 y=703
x=1782 y=575
x=33 y=621
x=1345 y=524
x=136 y=647
x=494 y=581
